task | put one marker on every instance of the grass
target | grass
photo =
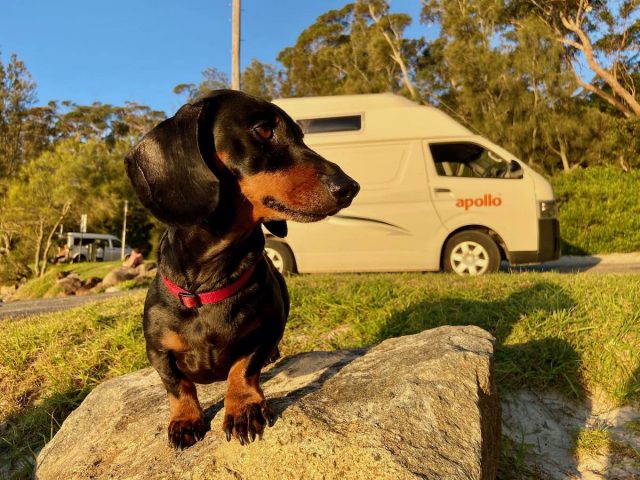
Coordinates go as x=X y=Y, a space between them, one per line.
x=597 y=440
x=592 y=441
x=46 y=287
x=513 y=460
x=576 y=334
x=48 y=365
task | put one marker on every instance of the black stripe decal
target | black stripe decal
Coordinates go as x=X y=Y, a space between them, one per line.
x=371 y=220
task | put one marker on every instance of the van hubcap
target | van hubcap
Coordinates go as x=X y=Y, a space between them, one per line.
x=469 y=258
x=275 y=258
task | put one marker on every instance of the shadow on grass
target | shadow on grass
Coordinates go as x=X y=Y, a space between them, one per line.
x=544 y=363
x=23 y=435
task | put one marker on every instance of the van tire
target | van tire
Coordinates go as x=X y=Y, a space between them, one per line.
x=79 y=258
x=471 y=252
x=280 y=255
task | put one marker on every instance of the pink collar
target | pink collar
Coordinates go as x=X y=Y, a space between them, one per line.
x=196 y=300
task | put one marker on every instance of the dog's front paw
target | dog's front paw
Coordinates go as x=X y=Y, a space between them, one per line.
x=184 y=432
x=245 y=421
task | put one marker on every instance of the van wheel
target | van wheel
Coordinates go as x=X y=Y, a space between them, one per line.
x=471 y=253
x=280 y=255
x=79 y=258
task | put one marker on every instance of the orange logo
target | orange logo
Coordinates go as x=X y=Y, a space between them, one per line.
x=487 y=200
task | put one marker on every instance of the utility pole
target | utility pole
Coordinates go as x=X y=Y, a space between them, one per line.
x=124 y=229
x=235 y=45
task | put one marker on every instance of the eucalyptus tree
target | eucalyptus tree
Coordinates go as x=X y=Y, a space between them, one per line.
x=601 y=39
x=17 y=94
x=503 y=72
x=359 y=48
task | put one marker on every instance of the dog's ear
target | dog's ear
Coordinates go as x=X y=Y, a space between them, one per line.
x=170 y=167
x=277 y=227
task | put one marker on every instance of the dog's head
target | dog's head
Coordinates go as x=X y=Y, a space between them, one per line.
x=230 y=143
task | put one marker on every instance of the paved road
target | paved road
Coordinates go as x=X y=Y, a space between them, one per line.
x=612 y=263
x=25 y=308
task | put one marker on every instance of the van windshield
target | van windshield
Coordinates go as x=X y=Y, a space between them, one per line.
x=463 y=159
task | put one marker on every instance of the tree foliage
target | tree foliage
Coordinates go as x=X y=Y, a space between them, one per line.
x=212 y=79
x=359 y=48
x=509 y=69
x=17 y=94
x=60 y=160
x=600 y=37
x=502 y=68
x=261 y=80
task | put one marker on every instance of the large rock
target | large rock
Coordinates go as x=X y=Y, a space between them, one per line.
x=69 y=283
x=420 y=406
x=120 y=274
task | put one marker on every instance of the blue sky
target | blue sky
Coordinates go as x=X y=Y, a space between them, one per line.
x=138 y=50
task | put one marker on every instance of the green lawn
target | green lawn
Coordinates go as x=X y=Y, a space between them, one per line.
x=577 y=334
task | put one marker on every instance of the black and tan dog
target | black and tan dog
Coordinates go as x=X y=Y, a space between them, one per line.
x=215 y=172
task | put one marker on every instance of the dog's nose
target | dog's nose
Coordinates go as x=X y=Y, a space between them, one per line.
x=343 y=189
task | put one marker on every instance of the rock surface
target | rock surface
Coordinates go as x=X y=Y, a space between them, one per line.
x=420 y=406
x=70 y=283
x=118 y=275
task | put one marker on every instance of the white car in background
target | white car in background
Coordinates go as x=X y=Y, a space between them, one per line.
x=97 y=247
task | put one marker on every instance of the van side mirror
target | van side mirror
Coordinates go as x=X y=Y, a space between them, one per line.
x=515 y=170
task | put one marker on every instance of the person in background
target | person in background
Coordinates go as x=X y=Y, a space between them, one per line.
x=63 y=254
x=134 y=259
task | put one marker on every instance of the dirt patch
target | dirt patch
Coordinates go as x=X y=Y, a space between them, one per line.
x=547 y=425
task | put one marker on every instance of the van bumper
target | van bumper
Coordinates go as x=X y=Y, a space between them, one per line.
x=548 y=244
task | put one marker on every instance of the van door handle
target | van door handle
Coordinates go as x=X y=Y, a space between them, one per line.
x=442 y=190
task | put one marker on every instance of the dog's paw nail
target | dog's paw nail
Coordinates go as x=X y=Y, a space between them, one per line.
x=185 y=433
x=268 y=416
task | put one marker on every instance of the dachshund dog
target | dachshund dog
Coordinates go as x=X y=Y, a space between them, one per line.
x=215 y=173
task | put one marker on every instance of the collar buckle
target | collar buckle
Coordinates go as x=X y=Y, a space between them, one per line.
x=190 y=300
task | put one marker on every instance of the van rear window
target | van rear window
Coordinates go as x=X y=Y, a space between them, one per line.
x=348 y=123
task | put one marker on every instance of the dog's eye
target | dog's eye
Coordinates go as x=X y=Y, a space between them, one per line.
x=264 y=131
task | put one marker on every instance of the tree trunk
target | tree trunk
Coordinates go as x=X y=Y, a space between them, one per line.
x=534 y=145
x=563 y=156
x=396 y=55
x=585 y=45
x=45 y=253
x=36 y=265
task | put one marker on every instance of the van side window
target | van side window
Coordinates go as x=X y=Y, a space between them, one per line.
x=85 y=241
x=462 y=159
x=116 y=243
x=349 y=123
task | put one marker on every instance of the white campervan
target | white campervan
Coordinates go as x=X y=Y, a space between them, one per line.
x=433 y=195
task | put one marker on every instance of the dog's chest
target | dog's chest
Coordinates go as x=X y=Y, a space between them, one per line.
x=215 y=339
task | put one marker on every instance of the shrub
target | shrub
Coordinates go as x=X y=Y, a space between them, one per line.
x=599 y=210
